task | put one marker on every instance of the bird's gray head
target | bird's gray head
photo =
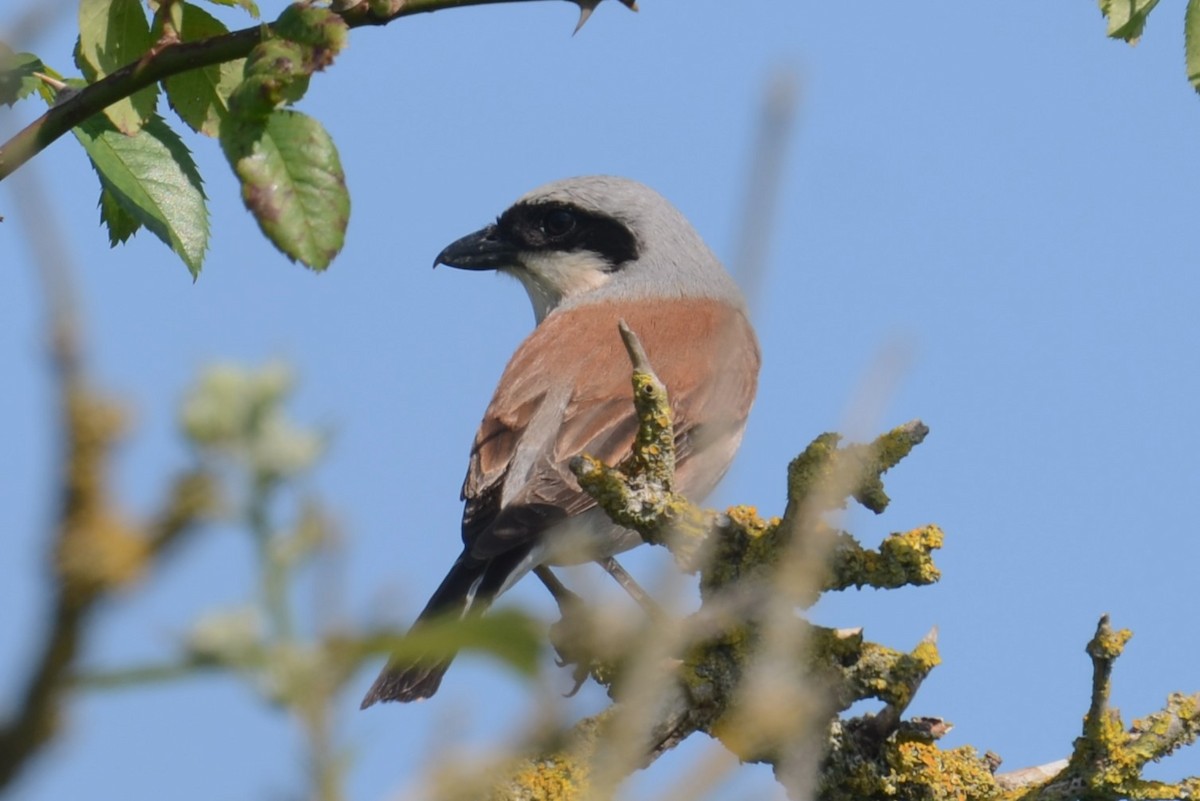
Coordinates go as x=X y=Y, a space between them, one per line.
x=595 y=238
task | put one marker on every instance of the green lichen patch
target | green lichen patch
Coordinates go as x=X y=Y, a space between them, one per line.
x=902 y=559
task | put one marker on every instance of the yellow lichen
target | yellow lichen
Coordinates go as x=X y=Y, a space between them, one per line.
x=922 y=770
x=555 y=779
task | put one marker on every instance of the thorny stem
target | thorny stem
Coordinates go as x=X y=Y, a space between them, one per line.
x=173 y=58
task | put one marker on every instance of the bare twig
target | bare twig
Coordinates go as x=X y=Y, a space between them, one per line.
x=776 y=122
x=33 y=721
x=1026 y=777
x=95 y=551
x=635 y=591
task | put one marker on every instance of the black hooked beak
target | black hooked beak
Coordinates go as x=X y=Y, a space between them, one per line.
x=486 y=249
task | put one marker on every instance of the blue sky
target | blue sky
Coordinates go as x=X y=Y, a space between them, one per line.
x=994 y=206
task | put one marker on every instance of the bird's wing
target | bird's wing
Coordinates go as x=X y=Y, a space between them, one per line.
x=567 y=391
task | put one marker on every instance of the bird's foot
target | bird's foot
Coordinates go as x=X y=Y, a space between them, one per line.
x=574 y=635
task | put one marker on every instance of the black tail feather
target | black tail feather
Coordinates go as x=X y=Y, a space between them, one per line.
x=468 y=589
x=406 y=682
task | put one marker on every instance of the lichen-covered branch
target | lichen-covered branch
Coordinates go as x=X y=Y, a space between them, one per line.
x=96 y=550
x=739 y=555
x=875 y=755
x=638 y=494
x=1108 y=758
x=1106 y=763
x=698 y=696
x=903 y=559
x=827 y=473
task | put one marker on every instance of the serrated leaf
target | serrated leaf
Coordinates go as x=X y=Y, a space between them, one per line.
x=17 y=79
x=1126 y=18
x=112 y=34
x=1191 y=42
x=152 y=178
x=248 y=5
x=201 y=97
x=120 y=224
x=292 y=182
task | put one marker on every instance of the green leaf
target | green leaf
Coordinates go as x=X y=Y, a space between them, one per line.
x=17 y=78
x=1191 y=42
x=201 y=97
x=113 y=34
x=120 y=224
x=152 y=178
x=1126 y=18
x=292 y=182
x=508 y=635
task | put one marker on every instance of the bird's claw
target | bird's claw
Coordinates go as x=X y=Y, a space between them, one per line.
x=580 y=675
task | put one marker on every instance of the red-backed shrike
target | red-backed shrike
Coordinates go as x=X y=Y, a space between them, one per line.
x=590 y=252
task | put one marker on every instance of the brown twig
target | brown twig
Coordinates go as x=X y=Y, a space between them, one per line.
x=764 y=176
x=94 y=550
x=633 y=589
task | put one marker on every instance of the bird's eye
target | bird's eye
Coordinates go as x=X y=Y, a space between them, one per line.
x=558 y=223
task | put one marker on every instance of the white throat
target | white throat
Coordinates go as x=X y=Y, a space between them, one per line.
x=551 y=278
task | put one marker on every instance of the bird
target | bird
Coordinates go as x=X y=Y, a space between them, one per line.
x=590 y=252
